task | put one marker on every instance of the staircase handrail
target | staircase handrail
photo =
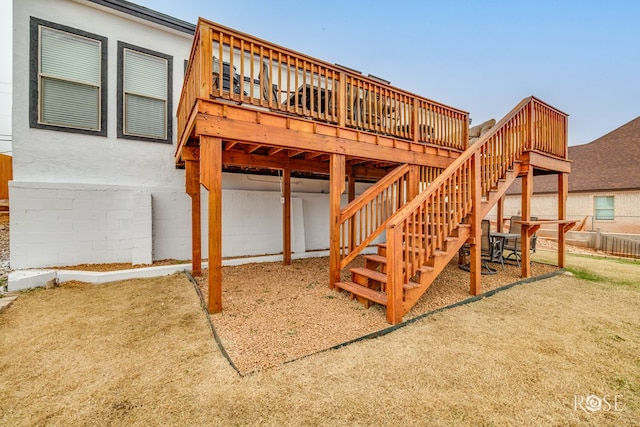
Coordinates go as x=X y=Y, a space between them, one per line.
x=347 y=252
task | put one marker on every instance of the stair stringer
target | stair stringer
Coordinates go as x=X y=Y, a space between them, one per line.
x=430 y=272
x=503 y=186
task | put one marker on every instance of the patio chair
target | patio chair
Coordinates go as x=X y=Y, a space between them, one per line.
x=513 y=245
x=489 y=250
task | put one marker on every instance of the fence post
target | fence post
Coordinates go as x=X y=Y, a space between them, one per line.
x=598 y=240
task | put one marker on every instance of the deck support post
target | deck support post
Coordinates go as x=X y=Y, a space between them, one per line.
x=563 y=192
x=395 y=277
x=211 y=178
x=193 y=189
x=351 y=191
x=413 y=184
x=286 y=216
x=336 y=188
x=500 y=214
x=475 y=266
x=525 y=240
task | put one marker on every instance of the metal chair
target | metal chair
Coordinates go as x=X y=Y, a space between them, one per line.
x=512 y=245
x=489 y=250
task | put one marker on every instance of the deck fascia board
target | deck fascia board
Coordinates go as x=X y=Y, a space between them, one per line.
x=273 y=129
x=544 y=161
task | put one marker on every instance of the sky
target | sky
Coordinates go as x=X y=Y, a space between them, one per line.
x=582 y=57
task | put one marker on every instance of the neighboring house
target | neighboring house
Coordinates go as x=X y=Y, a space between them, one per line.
x=604 y=184
x=96 y=84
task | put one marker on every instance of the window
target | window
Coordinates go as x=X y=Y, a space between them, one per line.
x=603 y=207
x=144 y=94
x=67 y=79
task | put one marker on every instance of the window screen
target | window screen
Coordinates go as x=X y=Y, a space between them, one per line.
x=69 y=80
x=145 y=97
x=144 y=91
x=604 y=207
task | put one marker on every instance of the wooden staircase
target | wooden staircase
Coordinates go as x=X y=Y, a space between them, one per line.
x=368 y=283
x=428 y=230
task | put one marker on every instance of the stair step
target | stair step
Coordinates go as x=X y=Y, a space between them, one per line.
x=371 y=274
x=376 y=258
x=426 y=269
x=410 y=285
x=370 y=294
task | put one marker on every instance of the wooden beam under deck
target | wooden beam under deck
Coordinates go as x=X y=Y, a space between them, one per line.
x=545 y=162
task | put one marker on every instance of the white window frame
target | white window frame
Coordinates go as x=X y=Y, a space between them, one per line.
x=123 y=131
x=37 y=78
x=597 y=211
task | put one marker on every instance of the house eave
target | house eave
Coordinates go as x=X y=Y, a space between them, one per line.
x=147 y=14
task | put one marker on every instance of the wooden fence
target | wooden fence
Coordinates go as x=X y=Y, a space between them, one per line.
x=6 y=175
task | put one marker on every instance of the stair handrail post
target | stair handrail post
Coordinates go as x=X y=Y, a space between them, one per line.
x=206 y=60
x=413 y=182
x=395 y=275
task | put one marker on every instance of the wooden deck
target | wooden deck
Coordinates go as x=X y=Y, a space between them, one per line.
x=249 y=104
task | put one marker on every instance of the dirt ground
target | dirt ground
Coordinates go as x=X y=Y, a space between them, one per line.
x=140 y=353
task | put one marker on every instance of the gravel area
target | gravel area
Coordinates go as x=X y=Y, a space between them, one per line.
x=274 y=313
x=552 y=245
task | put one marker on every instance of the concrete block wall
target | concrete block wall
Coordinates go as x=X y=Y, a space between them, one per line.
x=142 y=234
x=252 y=223
x=56 y=224
x=171 y=224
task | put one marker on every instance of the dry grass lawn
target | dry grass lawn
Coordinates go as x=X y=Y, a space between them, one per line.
x=140 y=352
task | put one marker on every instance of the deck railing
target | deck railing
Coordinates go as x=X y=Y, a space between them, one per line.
x=229 y=65
x=362 y=220
x=419 y=229
x=549 y=130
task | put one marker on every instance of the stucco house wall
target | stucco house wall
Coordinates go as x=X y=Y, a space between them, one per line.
x=78 y=198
